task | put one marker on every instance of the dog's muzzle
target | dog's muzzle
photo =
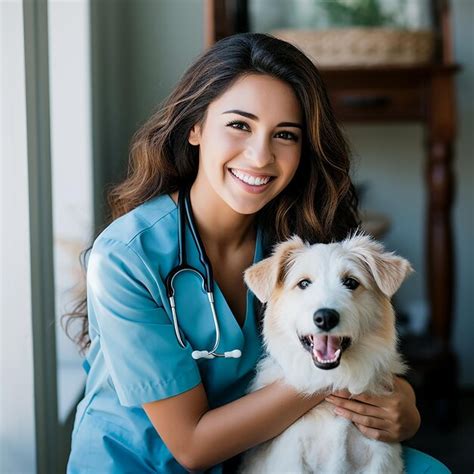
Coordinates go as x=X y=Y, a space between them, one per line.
x=325 y=349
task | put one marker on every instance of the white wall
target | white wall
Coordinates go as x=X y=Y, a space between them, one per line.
x=71 y=167
x=71 y=150
x=17 y=420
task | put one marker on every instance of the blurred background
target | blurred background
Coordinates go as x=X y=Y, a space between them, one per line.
x=79 y=77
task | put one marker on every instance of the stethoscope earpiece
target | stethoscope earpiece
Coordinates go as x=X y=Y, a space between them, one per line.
x=235 y=354
x=202 y=355
x=185 y=211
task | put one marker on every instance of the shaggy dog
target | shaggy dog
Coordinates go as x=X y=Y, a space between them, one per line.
x=328 y=325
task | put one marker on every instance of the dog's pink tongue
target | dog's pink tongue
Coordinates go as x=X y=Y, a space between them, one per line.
x=325 y=347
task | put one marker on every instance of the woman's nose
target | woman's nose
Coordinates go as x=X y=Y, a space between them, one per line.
x=261 y=153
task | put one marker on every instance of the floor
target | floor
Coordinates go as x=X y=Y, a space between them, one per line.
x=454 y=446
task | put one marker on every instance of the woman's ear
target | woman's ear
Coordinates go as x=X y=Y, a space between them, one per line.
x=195 y=135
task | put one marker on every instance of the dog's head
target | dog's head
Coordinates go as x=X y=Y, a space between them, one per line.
x=323 y=299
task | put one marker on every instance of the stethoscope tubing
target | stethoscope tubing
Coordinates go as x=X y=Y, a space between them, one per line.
x=185 y=213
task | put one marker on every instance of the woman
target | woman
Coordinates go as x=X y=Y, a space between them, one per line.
x=249 y=132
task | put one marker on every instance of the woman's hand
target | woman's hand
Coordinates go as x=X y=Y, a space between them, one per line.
x=393 y=417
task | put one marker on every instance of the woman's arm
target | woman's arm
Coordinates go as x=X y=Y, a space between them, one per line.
x=392 y=418
x=200 y=438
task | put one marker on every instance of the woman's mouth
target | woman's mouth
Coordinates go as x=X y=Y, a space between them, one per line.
x=254 y=184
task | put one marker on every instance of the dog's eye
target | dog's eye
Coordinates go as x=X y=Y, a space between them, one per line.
x=304 y=284
x=350 y=283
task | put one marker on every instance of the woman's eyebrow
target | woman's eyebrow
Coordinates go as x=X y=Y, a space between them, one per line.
x=254 y=117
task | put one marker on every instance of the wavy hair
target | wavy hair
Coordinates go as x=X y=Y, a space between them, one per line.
x=319 y=204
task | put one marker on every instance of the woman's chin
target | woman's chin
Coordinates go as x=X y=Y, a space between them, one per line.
x=246 y=203
x=241 y=205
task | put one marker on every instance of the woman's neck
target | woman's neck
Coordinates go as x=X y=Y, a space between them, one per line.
x=222 y=230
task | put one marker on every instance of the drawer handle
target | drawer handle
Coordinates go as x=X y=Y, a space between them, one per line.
x=361 y=102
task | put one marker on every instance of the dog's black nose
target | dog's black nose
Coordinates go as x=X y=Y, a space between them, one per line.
x=326 y=318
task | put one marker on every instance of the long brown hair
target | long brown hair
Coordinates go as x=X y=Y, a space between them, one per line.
x=319 y=204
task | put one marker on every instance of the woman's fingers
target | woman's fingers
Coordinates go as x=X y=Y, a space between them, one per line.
x=365 y=420
x=375 y=400
x=370 y=420
x=379 y=435
x=389 y=417
x=356 y=406
x=342 y=393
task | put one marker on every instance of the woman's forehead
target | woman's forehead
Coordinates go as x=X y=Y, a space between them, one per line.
x=260 y=95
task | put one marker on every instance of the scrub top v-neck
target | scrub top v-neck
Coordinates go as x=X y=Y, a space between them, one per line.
x=134 y=356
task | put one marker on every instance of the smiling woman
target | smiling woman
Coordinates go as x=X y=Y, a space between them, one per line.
x=243 y=165
x=249 y=132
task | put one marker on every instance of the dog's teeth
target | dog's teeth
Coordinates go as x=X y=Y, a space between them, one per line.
x=330 y=361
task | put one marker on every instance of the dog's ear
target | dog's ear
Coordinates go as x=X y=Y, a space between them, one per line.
x=389 y=270
x=264 y=276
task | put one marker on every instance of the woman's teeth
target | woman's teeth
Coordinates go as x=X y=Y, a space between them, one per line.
x=250 y=179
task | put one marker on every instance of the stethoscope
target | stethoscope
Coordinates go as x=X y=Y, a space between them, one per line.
x=185 y=212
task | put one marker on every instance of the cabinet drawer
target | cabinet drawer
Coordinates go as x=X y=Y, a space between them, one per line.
x=378 y=104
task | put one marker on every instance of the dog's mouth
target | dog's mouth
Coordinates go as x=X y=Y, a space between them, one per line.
x=325 y=349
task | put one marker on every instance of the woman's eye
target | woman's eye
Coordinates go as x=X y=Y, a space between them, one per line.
x=303 y=284
x=238 y=124
x=350 y=283
x=289 y=136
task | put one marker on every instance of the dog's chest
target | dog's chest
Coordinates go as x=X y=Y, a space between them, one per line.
x=325 y=438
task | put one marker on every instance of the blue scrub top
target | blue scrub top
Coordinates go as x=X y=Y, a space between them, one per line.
x=134 y=356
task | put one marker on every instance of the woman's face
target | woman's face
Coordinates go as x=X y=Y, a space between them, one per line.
x=250 y=143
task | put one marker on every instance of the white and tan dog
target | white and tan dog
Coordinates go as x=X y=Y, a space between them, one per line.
x=328 y=325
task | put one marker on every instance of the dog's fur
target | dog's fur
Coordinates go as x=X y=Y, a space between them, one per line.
x=320 y=441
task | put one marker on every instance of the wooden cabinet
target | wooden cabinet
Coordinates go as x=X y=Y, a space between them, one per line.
x=379 y=94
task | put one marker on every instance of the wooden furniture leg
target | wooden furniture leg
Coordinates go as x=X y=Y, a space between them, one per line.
x=440 y=180
x=441 y=370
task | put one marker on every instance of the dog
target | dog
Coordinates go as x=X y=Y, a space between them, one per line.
x=328 y=325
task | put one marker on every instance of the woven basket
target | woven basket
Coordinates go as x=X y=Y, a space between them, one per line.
x=362 y=46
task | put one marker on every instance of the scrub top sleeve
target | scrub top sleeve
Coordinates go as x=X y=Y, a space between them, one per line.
x=140 y=348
